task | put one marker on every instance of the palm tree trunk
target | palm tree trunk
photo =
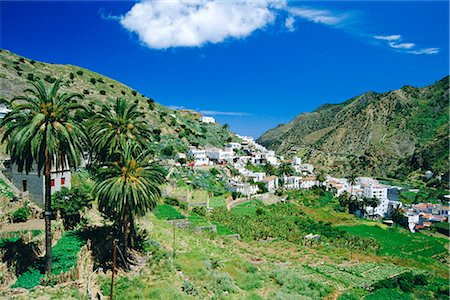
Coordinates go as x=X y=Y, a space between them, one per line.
x=125 y=231
x=48 y=213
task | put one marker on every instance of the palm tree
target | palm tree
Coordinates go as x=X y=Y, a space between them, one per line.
x=41 y=132
x=116 y=123
x=285 y=169
x=373 y=202
x=352 y=181
x=128 y=187
x=321 y=177
x=344 y=199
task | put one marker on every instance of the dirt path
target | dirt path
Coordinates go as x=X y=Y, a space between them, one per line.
x=35 y=224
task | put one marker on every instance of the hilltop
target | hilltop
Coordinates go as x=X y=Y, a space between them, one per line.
x=390 y=134
x=179 y=129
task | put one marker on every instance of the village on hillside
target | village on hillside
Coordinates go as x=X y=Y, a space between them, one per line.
x=254 y=172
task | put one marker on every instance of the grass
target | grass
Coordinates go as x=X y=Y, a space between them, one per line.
x=167 y=212
x=217 y=201
x=197 y=220
x=222 y=230
x=5 y=191
x=65 y=255
x=248 y=207
x=199 y=196
x=401 y=243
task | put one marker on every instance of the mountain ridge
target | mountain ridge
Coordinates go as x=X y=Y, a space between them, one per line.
x=372 y=128
x=179 y=129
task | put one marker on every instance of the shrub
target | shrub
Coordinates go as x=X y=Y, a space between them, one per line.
x=22 y=60
x=30 y=77
x=201 y=211
x=189 y=288
x=32 y=62
x=172 y=201
x=123 y=92
x=29 y=279
x=70 y=203
x=21 y=214
x=100 y=80
x=134 y=93
x=86 y=92
x=168 y=151
x=49 y=79
x=111 y=86
x=71 y=75
x=102 y=92
x=79 y=72
x=93 y=81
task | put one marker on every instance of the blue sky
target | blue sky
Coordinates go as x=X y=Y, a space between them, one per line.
x=250 y=64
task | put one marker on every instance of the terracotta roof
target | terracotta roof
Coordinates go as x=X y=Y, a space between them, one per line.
x=269 y=178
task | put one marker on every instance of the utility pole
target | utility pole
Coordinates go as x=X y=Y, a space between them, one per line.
x=113 y=270
x=173 y=243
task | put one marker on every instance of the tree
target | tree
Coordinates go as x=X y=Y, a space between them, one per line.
x=116 y=123
x=352 y=181
x=373 y=202
x=41 y=133
x=285 y=169
x=128 y=188
x=321 y=177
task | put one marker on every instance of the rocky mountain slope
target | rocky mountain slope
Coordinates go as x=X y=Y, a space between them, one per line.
x=386 y=134
x=173 y=130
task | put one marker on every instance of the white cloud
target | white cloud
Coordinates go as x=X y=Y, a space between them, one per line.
x=393 y=37
x=318 y=15
x=162 y=24
x=289 y=23
x=394 y=41
x=223 y=113
x=178 y=23
x=176 y=107
x=427 y=51
x=401 y=45
x=210 y=112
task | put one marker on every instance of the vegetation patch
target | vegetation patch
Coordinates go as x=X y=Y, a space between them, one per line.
x=65 y=255
x=167 y=212
x=399 y=242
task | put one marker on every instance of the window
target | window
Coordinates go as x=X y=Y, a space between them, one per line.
x=52 y=182
x=24 y=186
x=63 y=180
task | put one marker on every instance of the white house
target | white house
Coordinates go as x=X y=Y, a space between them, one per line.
x=243 y=188
x=309 y=182
x=233 y=146
x=271 y=158
x=220 y=155
x=200 y=158
x=379 y=192
x=296 y=161
x=256 y=176
x=35 y=184
x=3 y=111
x=206 y=119
x=304 y=168
x=292 y=182
x=271 y=183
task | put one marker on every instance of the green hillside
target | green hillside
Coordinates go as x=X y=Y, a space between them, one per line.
x=171 y=128
x=384 y=134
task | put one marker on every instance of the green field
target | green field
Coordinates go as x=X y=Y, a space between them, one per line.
x=401 y=243
x=167 y=212
x=217 y=201
x=65 y=256
x=199 y=196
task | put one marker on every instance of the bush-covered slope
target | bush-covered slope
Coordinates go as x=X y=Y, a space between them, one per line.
x=385 y=134
x=172 y=128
